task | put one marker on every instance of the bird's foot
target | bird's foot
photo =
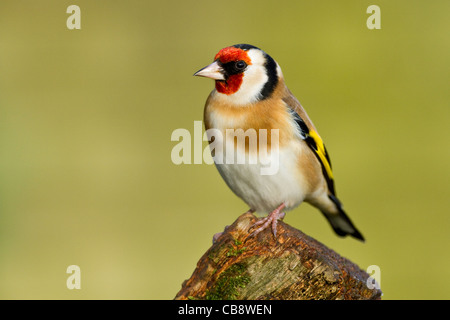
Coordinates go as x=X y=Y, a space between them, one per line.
x=270 y=220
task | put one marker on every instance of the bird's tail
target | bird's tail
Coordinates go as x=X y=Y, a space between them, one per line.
x=341 y=223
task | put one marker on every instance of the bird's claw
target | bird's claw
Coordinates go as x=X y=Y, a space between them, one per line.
x=271 y=219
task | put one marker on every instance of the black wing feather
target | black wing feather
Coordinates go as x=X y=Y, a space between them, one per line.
x=312 y=139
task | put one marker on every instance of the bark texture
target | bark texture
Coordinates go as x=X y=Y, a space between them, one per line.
x=293 y=266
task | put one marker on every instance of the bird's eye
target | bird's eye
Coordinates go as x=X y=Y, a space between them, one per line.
x=240 y=65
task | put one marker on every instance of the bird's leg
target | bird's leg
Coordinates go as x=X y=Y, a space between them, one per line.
x=218 y=234
x=271 y=219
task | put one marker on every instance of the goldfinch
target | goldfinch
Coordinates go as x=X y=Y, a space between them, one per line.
x=250 y=93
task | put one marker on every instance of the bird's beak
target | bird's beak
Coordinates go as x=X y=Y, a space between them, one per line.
x=213 y=71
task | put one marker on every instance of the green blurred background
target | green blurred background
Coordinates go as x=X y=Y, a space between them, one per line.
x=86 y=118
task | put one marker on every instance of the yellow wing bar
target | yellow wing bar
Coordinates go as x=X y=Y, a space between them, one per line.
x=317 y=146
x=322 y=152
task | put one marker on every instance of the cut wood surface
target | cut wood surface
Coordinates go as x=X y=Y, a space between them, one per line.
x=293 y=266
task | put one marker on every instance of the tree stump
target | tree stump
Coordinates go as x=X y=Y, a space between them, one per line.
x=292 y=267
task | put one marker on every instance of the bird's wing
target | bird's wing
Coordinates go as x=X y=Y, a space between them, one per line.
x=309 y=134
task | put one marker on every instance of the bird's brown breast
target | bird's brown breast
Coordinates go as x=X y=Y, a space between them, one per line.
x=268 y=114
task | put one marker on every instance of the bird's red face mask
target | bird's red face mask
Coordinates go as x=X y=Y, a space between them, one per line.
x=227 y=69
